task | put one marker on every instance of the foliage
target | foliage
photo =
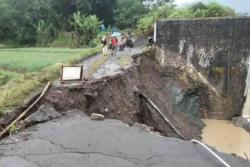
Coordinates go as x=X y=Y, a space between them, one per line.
x=103 y=9
x=6 y=76
x=151 y=4
x=86 y=28
x=145 y=24
x=41 y=22
x=128 y=12
x=18 y=19
x=169 y=11
x=97 y=41
x=211 y=10
x=63 y=39
x=30 y=22
x=45 y=33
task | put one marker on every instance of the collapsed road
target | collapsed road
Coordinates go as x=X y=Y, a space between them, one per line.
x=60 y=134
x=75 y=140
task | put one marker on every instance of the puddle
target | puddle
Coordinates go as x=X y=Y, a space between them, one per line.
x=226 y=137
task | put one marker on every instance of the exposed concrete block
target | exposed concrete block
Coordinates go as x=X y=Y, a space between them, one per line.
x=97 y=117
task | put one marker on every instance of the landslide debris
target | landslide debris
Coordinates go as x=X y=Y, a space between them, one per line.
x=118 y=97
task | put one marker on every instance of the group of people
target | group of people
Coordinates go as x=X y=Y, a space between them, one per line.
x=114 y=42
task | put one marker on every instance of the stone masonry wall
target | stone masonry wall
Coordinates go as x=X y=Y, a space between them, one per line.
x=218 y=48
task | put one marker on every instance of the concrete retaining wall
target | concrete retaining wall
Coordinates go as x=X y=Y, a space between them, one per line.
x=219 y=48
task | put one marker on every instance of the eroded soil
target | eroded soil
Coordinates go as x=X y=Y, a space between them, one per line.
x=117 y=97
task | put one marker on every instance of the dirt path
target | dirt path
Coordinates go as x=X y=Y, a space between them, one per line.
x=116 y=64
x=100 y=66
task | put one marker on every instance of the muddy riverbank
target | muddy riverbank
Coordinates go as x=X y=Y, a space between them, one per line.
x=226 y=137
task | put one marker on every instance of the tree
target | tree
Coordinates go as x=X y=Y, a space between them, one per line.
x=103 y=9
x=19 y=19
x=128 y=12
x=60 y=12
x=211 y=10
x=217 y=10
x=144 y=25
x=45 y=33
x=156 y=3
x=86 y=28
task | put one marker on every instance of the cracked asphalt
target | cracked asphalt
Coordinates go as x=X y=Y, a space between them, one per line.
x=75 y=141
x=112 y=66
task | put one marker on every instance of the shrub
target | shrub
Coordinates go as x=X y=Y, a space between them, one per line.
x=86 y=28
x=145 y=24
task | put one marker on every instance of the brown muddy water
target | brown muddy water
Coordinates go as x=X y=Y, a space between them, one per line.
x=227 y=138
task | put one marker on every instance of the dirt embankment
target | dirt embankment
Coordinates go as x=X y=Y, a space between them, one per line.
x=118 y=97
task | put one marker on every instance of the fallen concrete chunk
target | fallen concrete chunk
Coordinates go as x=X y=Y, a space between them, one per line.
x=144 y=127
x=43 y=114
x=50 y=112
x=97 y=117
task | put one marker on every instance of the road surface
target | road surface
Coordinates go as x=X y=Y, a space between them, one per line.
x=77 y=141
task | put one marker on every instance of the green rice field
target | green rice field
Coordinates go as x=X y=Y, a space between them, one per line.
x=23 y=70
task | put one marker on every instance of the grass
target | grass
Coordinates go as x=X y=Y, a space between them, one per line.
x=63 y=40
x=6 y=76
x=38 y=70
x=35 y=59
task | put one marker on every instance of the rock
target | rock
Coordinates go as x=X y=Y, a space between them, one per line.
x=90 y=95
x=43 y=114
x=144 y=127
x=136 y=90
x=106 y=110
x=97 y=117
x=242 y=122
x=56 y=84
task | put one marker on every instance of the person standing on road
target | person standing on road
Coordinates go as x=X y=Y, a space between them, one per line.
x=114 y=42
x=104 y=45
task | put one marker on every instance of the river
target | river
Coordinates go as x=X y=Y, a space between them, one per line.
x=227 y=138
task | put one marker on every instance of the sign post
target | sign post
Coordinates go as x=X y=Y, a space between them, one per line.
x=71 y=74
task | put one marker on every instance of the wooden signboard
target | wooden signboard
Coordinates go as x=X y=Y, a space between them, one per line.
x=71 y=73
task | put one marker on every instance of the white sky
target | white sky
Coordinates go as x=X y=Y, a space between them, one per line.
x=181 y=2
x=238 y=5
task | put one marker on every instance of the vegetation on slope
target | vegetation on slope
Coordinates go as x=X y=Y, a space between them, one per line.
x=14 y=89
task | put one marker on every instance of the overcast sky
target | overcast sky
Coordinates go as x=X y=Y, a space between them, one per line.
x=239 y=5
